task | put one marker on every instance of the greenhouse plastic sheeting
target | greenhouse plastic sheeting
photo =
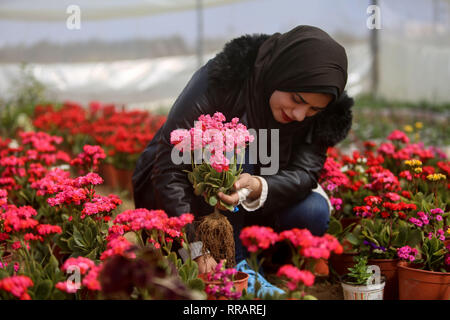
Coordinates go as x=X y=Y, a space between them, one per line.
x=150 y=81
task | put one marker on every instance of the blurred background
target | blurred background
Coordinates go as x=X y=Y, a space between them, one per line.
x=141 y=54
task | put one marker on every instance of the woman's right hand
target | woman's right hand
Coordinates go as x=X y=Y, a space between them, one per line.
x=206 y=263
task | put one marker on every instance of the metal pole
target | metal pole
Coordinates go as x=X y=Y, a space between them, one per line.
x=200 y=33
x=374 y=48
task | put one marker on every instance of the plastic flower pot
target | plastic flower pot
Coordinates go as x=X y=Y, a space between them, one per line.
x=363 y=292
x=417 y=284
x=388 y=267
x=240 y=283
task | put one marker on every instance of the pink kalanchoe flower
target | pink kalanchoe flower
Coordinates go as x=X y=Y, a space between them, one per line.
x=295 y=276
x=100 y=204
x=82 y=263
x=118 y=246
x=399 y=136
x=68 y=286
x=90 y=157
x=90 y=179
x=17 y=286
x=3 y=197
x=91 y=281
x=392 y=196
x=256 y=237
x=46 y=229
x=69 y=195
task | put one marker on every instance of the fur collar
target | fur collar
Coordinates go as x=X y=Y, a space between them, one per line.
x=234 y=63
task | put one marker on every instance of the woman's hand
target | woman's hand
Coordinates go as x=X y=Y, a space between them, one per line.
x=206 y=263
x=245 y=181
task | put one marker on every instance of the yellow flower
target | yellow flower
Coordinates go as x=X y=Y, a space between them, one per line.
x=408 y=128
x=448 y=230
x=419 y=125
x=418 y=170
x=413 y=163
x=436 y=177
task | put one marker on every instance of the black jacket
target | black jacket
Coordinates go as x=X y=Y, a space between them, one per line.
x=159 y=184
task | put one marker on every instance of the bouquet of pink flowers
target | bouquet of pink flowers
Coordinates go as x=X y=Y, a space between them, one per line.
x=212 y=146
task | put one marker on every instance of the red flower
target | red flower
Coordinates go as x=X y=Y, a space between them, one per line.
x=17 y=286
x=257 y=237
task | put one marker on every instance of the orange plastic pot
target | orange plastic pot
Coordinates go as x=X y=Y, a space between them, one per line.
x=388 y=268
x=417 y=284
x=240 y=283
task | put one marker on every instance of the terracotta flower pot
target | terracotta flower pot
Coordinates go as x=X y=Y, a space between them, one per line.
x=417 y=284
x=240 y=283
x=348 y=221
x=124 y=179
x=109 y=175
x=388 y=268
x=341 y=262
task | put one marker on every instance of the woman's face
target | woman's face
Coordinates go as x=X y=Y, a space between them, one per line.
x=296 y=106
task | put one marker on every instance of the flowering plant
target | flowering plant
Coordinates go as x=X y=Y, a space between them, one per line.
x=221 y=141
x=225 y=277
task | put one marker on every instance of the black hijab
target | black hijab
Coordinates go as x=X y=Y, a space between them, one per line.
x=305 y=59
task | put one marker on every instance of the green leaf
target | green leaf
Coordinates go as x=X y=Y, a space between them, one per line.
x=199 y=188
x=43 y=290
x=196 y=284
x=78 y=238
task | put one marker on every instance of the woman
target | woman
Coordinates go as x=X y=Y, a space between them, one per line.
x=293 y=82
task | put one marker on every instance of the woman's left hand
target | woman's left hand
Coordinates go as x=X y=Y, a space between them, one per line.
x=245 y=181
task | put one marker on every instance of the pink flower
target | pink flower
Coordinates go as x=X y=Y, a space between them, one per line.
x=45 y=229
x=407 y=253
x=99 y=204
x=118 y=246
x=257 y=237
x=17 y=286
x=68 y=286
x=91 y=281
x=295 y=276
x=336 y=202
x=399 y=136
x=82 y=263
x=90 y=179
